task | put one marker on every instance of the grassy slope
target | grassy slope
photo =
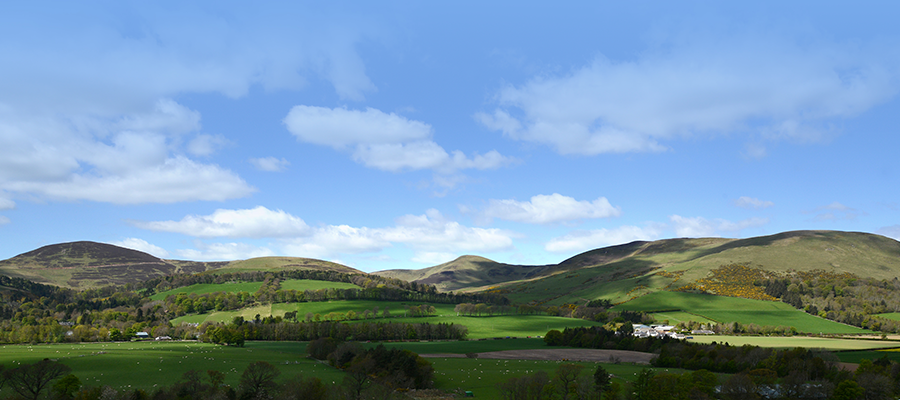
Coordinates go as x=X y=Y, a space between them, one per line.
x=479 y=327
x=731 y=309
x=284 y=263
x=251 y=287
x=862 y=254
x=90 y=264
x=467 y=272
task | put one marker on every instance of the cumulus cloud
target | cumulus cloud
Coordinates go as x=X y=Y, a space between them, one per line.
x=580 y=241
x=704 y=85
x=379 y=140
x=224 y=252
x=434 y=232
x=142 y=245
x=174 y=180
x=545 y=209
x=95 y=106
x=270 y=164
x=702 y=227
x=257 y=222
x=340 y=127
x=431 y=232
x=331 y=241
x=752 y=202
x=4 y=220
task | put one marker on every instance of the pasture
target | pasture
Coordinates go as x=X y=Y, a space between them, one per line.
x=251 y=287
x=724 y=309
x=789 y=342
x=479 y=327
x=146 y=365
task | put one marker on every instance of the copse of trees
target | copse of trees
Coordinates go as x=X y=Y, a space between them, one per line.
x=843 y=298
x=280 y=330
x=393 y=368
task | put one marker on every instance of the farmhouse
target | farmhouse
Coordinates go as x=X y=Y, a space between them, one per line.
x=142 y=335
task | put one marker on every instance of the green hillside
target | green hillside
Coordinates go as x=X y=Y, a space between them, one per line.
x=469 y=272
x=90 y=264
x=673 y=263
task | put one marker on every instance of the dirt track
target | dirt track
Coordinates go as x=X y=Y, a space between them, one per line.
x=560 y=354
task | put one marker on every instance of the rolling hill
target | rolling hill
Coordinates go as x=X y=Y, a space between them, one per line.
x=89 y=264
x=620 y=272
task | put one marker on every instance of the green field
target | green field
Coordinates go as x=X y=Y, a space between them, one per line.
x=724 y=309
x=893 y=316
x=144 y=365
x=251 y=287
x=790 y=342
x=675 y=317
x=147 y=365
x=479 y=327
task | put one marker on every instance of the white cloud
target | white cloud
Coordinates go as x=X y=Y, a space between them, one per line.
x=4 y=220
x=334 y=240
x=388 y=142
x=892 y=231
x=433 y=232
x=705 y=85
x=142 y=245
x=340 y=127
x=428 y=233
x=259 y=222
x=545 y=209
x=433 y=258
x=94 y=106
x=175 y=180
x=166 y=116
x=702 y=227
x=7 y=204
x=580 y=241
x=205 y=145
x=752 y=202
x=224 y=252
x=270 y=164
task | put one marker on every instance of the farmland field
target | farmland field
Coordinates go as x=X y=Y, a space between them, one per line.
x=144 y=365
x=832 y=344
x=732 y=309
x=250 y=287
x=894 y=316
x=479 y=327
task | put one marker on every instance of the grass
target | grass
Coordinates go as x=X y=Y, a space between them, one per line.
x=481 y=376
x=146 y=365
x=732 y=309
x=872 y=355
x=892 y=316
x=204 y=288
x=479 y=327
x=251 y=287
x=832 y=344
x=675 y=317
x=470 y=346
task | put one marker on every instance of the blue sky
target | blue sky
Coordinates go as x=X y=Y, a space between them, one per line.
x=405 y=134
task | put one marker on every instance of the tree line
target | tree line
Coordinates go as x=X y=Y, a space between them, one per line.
x=260 y=380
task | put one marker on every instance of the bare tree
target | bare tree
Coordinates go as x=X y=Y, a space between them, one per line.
x=258 y=380
x=30 y=380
